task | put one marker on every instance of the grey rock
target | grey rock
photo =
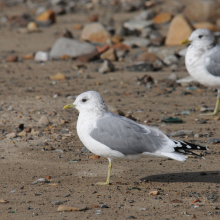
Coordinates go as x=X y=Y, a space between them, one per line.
x=179 y=133
x=57 y=2
x=71 y=48
x=40 y=10
x=57 y=202
x=197 y=135
x=182 y=52
x=137 y=41
x=146 y=32
x=171 y=59
x=173 y=77
x=64 y=131
x=163 y=53
x=158 y=64
x=44 y=121
x=213 y=141
x=41 y=180
x=144 y=15
x=153 y=50
x=137 y=25
x=106 y=67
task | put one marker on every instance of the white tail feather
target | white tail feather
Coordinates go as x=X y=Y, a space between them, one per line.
x=175 y=156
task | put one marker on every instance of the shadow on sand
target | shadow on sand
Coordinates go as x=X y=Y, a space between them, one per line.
x=202 y=177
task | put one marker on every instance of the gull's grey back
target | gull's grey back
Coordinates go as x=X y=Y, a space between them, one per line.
x=126 y=136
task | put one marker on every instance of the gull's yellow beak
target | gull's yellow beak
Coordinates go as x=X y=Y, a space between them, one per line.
x=69 y=106
x=185 y=41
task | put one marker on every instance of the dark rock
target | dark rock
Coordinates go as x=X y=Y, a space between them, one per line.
x=143 y=67
x=104 y=206
x=131 y=217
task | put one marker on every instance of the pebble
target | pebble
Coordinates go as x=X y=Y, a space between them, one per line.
x=137 y=42
x=11 y=135
x=202 y=121
x=162 y=17
x=95 y=32
x=71 y=48
x=131 y=217
x=29 y=56
x=199 y=10
x=205 y=109
x=41 y=56
x=88 y=57
x=110 y=54
x=58 y=76
x=32 y=27
x=144 y=15
x=106 y=67
x=41 y=180
x=44 y=121
x=179 y=30
x=143 y=67
x=173 y=77
x=171 y=59
x=46 y=18
x=198 y=135
x=10 y=108
x=57 y=202
x=104 y=206
x=146 y=57
x=179 y=133
x=22 y=134
x=137 y=25
x=213 y=141
x=11 y=58
x=154 y=193
x=66 y=33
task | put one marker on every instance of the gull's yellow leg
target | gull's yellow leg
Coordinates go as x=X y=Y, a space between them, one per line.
x=216 y=106
x=108 y=177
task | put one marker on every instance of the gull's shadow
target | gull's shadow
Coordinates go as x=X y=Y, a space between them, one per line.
x=203 y=177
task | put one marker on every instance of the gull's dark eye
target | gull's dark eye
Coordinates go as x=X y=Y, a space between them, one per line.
x=84 y=100
x=200 y=36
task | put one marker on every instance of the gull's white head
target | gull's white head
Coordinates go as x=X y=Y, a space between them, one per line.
x=90 y=101
x=202 y=38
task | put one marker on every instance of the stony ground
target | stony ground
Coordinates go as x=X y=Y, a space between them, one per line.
x=55 y=152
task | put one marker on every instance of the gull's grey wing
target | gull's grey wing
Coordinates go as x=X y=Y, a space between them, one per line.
x=126 y=136
x=212 y=61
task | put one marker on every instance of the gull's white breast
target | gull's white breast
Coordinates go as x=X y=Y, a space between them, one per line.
x=85 y=124
x=196 y=62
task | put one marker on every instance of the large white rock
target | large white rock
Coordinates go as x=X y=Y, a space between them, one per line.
x=71 y=48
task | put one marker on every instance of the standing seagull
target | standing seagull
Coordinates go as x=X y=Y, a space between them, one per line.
x=116 y=137
x=203 y=60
